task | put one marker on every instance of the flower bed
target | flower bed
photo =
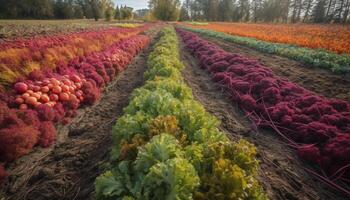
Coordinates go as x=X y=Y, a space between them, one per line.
x=316 y=126
x=20 y=57
x=48 y=96
x=331 y=37
x=337 y=63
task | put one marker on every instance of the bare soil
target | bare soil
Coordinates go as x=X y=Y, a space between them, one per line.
x=316 y=80
x=68 y=170
x=281 y=172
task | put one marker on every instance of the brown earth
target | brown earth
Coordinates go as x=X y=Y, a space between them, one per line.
x=68 y=170
x=281 y=172
x=316 y=80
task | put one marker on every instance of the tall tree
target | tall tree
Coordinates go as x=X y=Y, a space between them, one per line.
x=117 y=13
x=285 y=10
x=257 y=6
x=95 y=7
x=184 y=15
x=212 y=10
x=167 y=10
x=225 y=10
x=243 y=7
x=346 y=11
x=319 y=11
x=308 y=7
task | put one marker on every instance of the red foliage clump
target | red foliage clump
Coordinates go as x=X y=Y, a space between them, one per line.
x=46 y=113
x=91 y=91
x=47 y=134
x=16 y=141
x=3 y=173
x=310 y=153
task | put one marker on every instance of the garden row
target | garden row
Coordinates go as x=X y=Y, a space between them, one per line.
x=127 y=25
x=331 y=37
x=166 y=146
x=22 y=57
x=319 y=128
x=336 y=63
x=12 y=29
x=28 y=113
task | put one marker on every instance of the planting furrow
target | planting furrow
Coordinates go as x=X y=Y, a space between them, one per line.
x=166 y=146
x=317 y=127
x=52 y=96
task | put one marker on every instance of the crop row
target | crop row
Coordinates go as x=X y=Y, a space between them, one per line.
x=127 y=25
x=336 y=63
x=21 y=57
x=166 y=146
x=12 y=29
x=28 y=112
x=334 y=38
x=318 y=127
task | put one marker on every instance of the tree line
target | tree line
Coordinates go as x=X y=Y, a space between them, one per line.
x=63 y=9
x=272 y=11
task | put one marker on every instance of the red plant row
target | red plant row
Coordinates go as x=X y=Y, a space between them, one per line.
x=81 y=79
x=317 y=126
x=43 y=42
x=20 y=57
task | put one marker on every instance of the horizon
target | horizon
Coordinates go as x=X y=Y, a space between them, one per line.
x=136 y=4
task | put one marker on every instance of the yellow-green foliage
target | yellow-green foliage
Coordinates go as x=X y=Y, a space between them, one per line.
x=198 y=23
x=127 y=25
x=166 y=124
x=168 y=147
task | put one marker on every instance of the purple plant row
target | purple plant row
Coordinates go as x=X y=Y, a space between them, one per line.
x=316 y=126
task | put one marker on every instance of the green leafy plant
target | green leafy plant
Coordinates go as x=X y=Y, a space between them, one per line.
x=167 y=147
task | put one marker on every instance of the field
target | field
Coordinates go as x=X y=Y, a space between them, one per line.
x=330 y=37
x=97 y=110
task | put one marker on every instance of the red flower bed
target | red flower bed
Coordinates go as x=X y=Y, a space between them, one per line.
x=317 y=126
x=29 y=111
x=20 y=57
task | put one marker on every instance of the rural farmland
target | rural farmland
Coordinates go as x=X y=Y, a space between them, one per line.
x=175 y=100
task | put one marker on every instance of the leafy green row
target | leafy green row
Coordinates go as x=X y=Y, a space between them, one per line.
x=167 y=147
x=320 y=58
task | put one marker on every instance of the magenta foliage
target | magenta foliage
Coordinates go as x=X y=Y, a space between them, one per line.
x=3 y=173
x=319 y=124
x=21 y=130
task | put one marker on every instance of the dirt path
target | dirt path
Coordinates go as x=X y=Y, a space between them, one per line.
x=280 y=173
x=68 y=170
x=317 y=80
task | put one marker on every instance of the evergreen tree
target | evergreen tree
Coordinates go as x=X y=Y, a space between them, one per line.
x=319 y=12
x=117 y=13
x=167 y=10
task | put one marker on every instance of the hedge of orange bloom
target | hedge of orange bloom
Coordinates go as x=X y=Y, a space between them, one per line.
x=335 y=38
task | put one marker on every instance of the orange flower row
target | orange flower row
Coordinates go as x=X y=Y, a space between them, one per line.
x=334 y=38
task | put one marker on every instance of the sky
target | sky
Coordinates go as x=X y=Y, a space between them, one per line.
x=136 y=4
